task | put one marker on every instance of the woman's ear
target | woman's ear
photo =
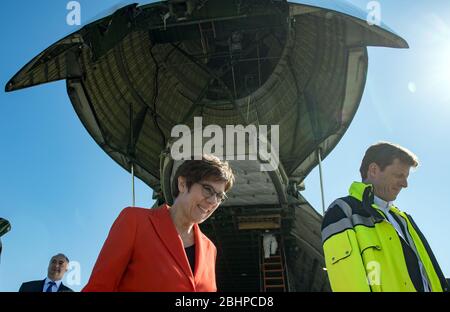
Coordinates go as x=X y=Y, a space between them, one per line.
x=182 y=184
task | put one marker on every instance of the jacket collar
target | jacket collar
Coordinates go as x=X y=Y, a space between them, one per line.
x=364 y=193
x=200 y=251
x=357 y=190
x=165 y=229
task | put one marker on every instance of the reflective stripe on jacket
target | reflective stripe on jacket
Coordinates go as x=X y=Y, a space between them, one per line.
x=363 y=251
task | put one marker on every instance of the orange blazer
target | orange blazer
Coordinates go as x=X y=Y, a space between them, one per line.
x=143 y=252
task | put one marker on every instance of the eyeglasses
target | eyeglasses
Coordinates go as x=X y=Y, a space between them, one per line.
x=208 y=191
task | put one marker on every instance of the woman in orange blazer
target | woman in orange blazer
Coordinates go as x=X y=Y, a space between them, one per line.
x=163 y=249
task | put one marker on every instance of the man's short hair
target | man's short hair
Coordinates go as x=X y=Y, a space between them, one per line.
x=208 y=168
x=383 y=154
x=60 y=255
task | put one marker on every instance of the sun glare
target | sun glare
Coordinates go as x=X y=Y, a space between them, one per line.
x=439 y=56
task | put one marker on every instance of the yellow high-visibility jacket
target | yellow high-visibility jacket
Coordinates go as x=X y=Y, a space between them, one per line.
x=363 y=251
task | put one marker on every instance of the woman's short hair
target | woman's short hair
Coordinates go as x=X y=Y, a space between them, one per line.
x=208 y=168
x=383 y=154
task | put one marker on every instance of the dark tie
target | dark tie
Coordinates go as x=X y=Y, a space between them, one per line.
x=50 y=285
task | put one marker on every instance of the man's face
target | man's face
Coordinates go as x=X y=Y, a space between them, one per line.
x=57 y=268
x=389 y=182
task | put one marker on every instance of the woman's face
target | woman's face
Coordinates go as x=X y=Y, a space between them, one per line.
x=201 y=200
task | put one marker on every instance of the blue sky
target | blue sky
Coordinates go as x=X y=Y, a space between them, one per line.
x=61 y=192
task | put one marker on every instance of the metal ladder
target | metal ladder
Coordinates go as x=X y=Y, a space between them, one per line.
x=204 y=32
x=273 y=271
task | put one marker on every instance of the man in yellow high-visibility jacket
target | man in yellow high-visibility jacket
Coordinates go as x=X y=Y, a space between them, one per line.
x=369 y=244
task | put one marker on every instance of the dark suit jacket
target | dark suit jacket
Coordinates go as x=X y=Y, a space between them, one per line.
x=37 y=286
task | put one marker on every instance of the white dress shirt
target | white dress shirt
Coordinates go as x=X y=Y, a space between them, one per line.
x=384 y=206
x=54 y=287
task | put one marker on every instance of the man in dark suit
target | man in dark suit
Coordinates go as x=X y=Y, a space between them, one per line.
x=5 y=227
x=53 y=282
